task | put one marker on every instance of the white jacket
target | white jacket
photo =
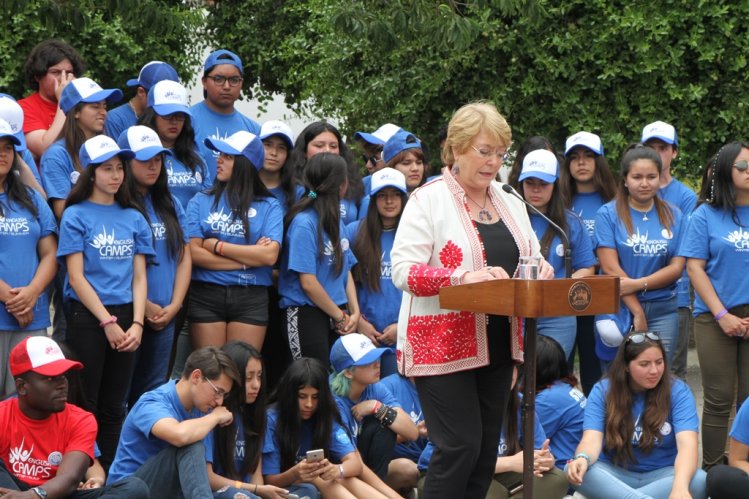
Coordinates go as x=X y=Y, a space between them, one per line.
x=436 y=244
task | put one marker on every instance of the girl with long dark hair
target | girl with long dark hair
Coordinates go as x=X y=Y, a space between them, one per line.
x=168 y=113
x=235 y=231
x=104 y=242
x=373 y=237
x=277 y=173
x=27 y=265
x=587 y=183
x=637 y=236
x=715 y=246
x=84 y=103
x=303 y=417
x=168 y=274
x=560 y=405
x=539 y=185
x=233 y=452
x=322 y=136
x=640 y=430
x=318 y=294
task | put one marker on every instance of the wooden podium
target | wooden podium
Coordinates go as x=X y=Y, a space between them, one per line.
x=532 y=299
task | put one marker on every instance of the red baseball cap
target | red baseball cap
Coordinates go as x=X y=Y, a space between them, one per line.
x=41 y=355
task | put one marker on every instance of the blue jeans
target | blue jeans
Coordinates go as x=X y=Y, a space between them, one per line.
x=177 y=472
x=606 y=481
x=303 y=490
x=663 y=318
x=562 y=329
x=152 y=361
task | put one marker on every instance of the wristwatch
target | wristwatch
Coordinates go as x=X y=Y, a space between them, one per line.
x=40 y=492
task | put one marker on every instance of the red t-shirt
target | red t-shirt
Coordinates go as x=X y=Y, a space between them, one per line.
x=33 y=449
x=38 y=114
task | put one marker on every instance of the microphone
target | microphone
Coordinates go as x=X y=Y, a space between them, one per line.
x=563 y=235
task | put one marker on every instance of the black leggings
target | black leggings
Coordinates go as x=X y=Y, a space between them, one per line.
x=309 y=333
x=727 y=482
x=106 y=373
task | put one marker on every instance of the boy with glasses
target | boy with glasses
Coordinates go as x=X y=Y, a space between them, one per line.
x=161 y=441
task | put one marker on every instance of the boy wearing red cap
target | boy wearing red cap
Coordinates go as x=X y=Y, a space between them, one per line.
x=47 y=444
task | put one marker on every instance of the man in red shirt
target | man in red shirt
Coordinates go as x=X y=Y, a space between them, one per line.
x=46 y=444
x=51 y=65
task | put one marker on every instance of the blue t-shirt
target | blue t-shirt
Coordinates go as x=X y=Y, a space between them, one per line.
x=561 y=408
x=585 y=205
x=183 y=182
x=377 y=391
x=239 y=450
x=380 y=308
x=109 y=236
x=682 y=416
x=713 y=236
x=162 y=269
x=364 y=207
x=137 y=444
x=740 y=428
x=349 y=211
x=539 y=435
x=685 y=199
x=580 y=243
x=119 y=119
x=58 y=173
x=28 y=158
x=20 y=232
x=408 y=398
x=648 y=249
x=367 y=183
x=340 y=443
x=204 y=221
x=208 y=123
x=303 y=255
x=280 y=195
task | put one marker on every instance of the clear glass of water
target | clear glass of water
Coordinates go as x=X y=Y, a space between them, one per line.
x=528 y=267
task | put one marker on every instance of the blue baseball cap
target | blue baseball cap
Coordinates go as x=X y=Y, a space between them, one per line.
x=541 y=164
x=242 y=143
x=168 y=97
x=143 y=141
x=152 y=73
x=222 y=56
x=379 y=136
x=354 y=349
x=399 y=142
x=99 y=149
x=86 y=90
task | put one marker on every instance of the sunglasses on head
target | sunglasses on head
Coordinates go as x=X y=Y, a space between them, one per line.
x=638 y=338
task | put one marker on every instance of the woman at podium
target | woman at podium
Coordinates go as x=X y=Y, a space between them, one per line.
x=461 y=228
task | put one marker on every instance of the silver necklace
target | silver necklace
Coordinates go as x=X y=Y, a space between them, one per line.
x=484 y=214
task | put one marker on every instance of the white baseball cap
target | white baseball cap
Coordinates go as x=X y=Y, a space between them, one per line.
x=541 y=164
x=387 y=177
x=99 y=149
x=660 y=130
x=379 y=136
x=584 y=139
x=168 y=97
x=143 y=141
x=275 y=127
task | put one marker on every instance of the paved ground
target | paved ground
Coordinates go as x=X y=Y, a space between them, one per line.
x=695 y=383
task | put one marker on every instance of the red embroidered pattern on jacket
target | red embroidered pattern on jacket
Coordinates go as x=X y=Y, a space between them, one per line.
x=424 y=280
x=451 y=256
x=437 y=339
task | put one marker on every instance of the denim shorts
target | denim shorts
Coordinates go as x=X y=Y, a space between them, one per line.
x=216 y=303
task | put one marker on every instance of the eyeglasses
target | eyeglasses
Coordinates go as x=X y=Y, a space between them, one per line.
x=638 y=338
x=741 y=165
x=373 y=159
x=487 y=153
x=220 y=80
x=219 y=392
x=178 y=117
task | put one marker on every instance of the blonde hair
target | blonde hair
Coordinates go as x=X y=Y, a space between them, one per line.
x=469 y=121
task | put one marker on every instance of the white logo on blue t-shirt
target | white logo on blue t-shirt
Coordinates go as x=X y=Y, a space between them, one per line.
x=739 y=238
x=16 y=226
x=110 y=247
x=181 y=178
x=222 y=222
x=642 y=246
x=159 y=230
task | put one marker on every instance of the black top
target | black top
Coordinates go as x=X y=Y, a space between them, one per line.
x=501 y=251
